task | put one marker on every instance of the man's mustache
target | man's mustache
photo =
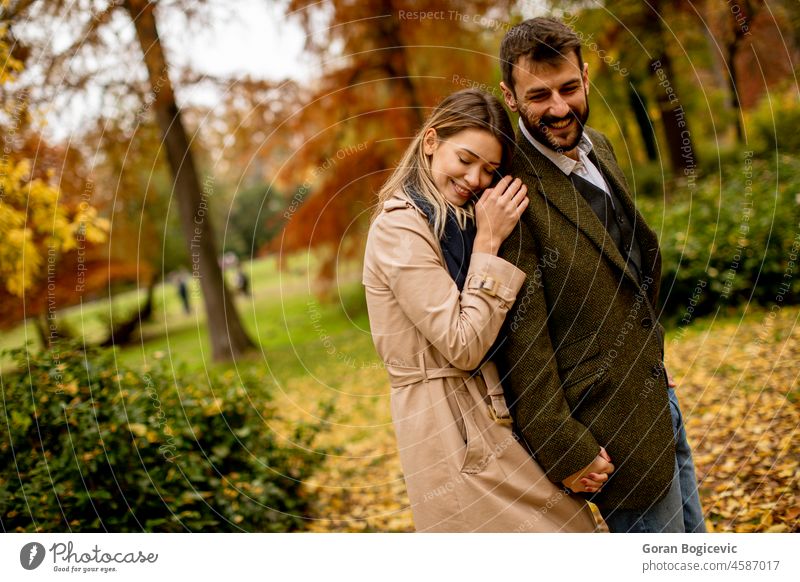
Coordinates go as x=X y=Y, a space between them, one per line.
x=548 y=120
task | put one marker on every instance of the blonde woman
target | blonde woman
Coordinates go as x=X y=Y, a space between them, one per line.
x=437 y=296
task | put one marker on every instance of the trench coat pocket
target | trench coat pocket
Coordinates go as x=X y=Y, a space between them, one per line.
x=477 y=453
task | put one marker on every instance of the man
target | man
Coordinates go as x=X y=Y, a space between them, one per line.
x=582 y=354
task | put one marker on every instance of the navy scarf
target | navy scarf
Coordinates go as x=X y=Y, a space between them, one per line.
x=456 y=243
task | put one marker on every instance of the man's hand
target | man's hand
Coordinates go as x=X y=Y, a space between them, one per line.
x=591 y=478
x=670 y=382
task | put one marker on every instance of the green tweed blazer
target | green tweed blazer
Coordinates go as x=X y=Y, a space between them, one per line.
x=581 y=352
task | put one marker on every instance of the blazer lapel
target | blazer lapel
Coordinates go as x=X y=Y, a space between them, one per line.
x=648 y=241
x=560 y=193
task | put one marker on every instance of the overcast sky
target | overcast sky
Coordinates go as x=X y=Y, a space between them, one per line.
x=255 y=39
x=231 y=38
x=237 y=38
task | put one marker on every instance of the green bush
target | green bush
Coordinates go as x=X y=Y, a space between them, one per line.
x=776 y=122
x=731 y=241
x=88 y=447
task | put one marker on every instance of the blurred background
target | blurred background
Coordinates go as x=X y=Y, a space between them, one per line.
x=185 y=190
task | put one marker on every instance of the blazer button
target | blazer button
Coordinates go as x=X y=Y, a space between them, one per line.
x=647 y=323
x=620 y=220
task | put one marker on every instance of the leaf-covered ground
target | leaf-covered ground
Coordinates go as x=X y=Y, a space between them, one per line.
x=738 y=385
x=739 y=390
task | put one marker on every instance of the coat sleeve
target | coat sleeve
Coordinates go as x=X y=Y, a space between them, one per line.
x=560 y=443
x=462 y=326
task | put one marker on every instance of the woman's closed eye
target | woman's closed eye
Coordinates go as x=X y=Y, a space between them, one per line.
x=488 y=170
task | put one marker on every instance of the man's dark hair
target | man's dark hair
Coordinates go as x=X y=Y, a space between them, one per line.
x=540 y=39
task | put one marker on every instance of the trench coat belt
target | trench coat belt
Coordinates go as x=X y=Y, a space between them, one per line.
x=406 y=375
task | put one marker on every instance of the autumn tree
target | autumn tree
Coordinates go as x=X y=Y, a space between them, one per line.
x=752 y=35
x=39 y=224
x=248 y=143
x=689 y=58
x=227 y=335
x=383 y=69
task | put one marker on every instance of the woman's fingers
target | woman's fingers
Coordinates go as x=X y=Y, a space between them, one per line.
x=499 y=208
x=521 y=208
x=521 y=197
x=501 y=186
x=598 y=477
x=510 y=188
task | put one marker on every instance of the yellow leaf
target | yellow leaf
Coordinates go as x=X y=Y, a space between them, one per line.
x=139 y=430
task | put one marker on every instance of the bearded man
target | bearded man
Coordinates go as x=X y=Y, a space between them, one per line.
x=582 y=353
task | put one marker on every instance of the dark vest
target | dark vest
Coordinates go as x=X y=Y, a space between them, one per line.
x=618 y=224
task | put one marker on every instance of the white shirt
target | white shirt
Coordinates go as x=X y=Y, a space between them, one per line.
x=582 y=167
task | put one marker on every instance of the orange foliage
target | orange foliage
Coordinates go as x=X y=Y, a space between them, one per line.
x=83 y=273
x=74 y=278
x=353 y=126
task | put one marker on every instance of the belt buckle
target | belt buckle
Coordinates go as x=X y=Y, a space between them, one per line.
x=488 y=286
x=504 y=420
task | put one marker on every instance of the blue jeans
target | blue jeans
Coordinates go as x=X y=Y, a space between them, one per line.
x=680 y=510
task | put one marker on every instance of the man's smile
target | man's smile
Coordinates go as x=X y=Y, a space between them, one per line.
x=561 y=124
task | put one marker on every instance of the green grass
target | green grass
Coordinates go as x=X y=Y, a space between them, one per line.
x=277 y=315
x=308 y=351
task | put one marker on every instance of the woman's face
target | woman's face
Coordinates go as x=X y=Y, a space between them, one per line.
x=464 y=164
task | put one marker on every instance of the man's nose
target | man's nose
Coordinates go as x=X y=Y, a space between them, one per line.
x=558 y=107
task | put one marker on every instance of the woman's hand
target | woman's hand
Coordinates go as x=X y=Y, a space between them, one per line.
x=591 y=478
x=497 y=213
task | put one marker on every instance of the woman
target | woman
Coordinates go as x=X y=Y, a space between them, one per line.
x=437 y=296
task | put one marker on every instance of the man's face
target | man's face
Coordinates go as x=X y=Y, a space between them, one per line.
x=552 y=100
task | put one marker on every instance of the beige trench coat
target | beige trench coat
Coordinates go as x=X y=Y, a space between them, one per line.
x=464 y=468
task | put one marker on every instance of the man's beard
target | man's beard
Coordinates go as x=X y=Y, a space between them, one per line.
x=541 y=133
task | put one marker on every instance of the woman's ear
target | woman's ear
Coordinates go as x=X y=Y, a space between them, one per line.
x=430 y=141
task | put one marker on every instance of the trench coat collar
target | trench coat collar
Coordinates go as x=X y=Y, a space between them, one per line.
x=560 y=193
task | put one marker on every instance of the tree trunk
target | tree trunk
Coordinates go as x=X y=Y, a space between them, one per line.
x=228 y=338
x=733 y=50
x=42 y=329
x=680 y=145
x=638 y=103
x=122 y=333
x=741 y=16
x=396 y=62
x=719 y=68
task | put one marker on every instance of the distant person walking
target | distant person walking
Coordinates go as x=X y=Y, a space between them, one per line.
x=183 y=291
x=242 y=281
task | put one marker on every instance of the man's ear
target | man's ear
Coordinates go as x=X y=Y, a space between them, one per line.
x=430 y=141
x=508 y=96
x=585 y=76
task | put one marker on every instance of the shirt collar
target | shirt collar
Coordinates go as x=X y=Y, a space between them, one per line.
x=562 y=162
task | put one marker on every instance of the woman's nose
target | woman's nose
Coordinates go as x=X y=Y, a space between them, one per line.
x=473 y=178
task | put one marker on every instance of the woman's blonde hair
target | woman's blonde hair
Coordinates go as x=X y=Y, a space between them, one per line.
x=467 y=109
